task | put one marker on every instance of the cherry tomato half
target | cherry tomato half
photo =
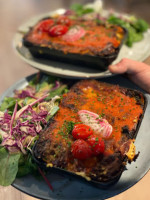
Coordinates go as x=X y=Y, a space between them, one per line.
x=81 y=131
x=45 y=25
x=97 y=144
x=64 y=20
x=81 y=149
x=58 y=30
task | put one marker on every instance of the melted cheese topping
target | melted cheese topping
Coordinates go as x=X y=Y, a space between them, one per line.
x=131 y=153
x=83 y=175
x=97 y=38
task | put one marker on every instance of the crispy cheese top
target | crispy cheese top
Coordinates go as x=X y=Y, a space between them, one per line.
x=119 y=109
x=96 y=39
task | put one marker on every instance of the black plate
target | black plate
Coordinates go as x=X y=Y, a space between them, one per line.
x=71 y=188
x=133 y=134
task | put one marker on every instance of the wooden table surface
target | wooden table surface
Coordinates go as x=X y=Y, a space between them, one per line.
x=12 y=14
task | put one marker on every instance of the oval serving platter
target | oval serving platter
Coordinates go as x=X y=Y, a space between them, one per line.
x=140 y=51
x=66 y=188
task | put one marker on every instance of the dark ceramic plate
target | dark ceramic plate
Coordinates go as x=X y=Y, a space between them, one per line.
x=141 y=100
x=66 y=188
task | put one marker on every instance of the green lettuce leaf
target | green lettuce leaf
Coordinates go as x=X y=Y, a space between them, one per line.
x=59 y=91
x=135 y=28
x=8 y=103
x=80 y=9
x=1 y=139
x=140 y=25
x=8 y=166
x=46 y=81
x=26 y=165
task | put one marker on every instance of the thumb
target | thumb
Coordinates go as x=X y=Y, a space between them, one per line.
x=128 y=66
x=136 y=71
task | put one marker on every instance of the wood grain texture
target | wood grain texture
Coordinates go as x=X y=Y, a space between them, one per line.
x=12 y=14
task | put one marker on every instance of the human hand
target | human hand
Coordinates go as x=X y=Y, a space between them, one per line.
x=137 y=72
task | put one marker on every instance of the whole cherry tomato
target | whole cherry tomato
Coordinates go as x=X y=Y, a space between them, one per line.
x=58 y=30
x=45 y=25
x=97 y=144
x=81 y=131
x=81 y=149
x=64 y=20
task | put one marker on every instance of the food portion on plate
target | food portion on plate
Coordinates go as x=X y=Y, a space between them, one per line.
x=92 y=134
x=83 y=36
x=22 y=117
x=86 y=129
x=75 y=40
x=135 y=26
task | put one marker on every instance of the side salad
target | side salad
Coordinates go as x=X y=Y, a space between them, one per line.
x=22 y=117
x=135 y=27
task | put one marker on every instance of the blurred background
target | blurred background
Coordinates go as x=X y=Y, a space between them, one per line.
x=13 y=13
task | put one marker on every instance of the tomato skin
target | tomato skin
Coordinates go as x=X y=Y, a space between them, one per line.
x=97 y=144
x=64 y=20
x=81 y=131
x=58 y=30
x=45 y=25
x=81 y=149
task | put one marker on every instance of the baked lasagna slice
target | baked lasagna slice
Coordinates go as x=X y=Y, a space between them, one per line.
x=75 y=40
x=93 y=133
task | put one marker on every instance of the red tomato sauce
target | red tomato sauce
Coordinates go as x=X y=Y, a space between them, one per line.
x=96 y=38
x=109 y=103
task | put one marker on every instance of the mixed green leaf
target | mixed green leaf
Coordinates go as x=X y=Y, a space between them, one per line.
x=80 y=9
x=135 y=28
x=8 y=166
x=22 y=117
x=26 y=165
x=8 y=104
